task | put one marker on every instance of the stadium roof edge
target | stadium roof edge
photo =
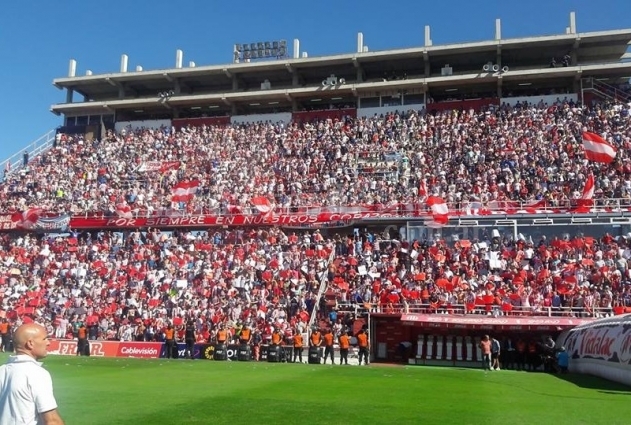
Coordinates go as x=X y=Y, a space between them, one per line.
x=183 y=100
x=621 y=37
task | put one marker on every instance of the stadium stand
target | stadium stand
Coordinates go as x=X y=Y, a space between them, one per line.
x=527 y=153
x=481 y=147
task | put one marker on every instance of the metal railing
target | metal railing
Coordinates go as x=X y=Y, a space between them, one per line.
x=491 y=310
x=321 y=290
x=606 y=90
x=16 y=161
x=409 y=210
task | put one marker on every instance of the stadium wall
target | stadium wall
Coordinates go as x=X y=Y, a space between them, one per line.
x=547 y=99
x=133 y=125
x=284 y=117
x=198 y=122
x=601 y=348
x=381 y=110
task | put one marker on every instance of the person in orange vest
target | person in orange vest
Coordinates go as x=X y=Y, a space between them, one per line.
x=315 y=340
x=298 y=343
x=345 y=343
x=169 y=339
x=82 y=339
x=362 y=342
x=246 y=335
x=222 y=335
x=4 y=335
x=277 y=336
x=328 y=338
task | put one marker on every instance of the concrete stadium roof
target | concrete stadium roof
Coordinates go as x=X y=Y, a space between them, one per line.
x=526 y=57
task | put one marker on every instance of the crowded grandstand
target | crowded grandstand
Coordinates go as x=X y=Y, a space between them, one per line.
x=333 y=213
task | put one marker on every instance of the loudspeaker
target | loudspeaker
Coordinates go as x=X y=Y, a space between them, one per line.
x=221 y=353
x=245 y=353
x=487 y=67
x=314 y=355
x=341 y=81
x=273 y=354
x=504 y=69
x=496 y=68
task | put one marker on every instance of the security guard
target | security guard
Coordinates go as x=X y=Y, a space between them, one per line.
x=222 y=335
x=362 y=342
x=246 y=335
x=329 y=338
x=345 y=343
x=298 y=343
x=169 y=338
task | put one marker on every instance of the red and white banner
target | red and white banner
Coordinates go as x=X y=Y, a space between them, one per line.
x=304 y=217
x=598 y=149
x=440 y=212
x=184 y=191
x=587 y=198
x=161 y=166
x=484 y=322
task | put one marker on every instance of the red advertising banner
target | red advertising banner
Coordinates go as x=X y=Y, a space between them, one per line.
x=36 y=219
x=202 y=220
x=486 y=322
x=145 y=350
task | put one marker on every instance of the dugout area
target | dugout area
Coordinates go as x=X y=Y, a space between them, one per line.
x=396 y=340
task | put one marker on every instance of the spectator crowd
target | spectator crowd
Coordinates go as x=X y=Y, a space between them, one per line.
x=129 y=285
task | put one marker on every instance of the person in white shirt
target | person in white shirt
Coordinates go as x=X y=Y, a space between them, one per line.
x=26 y=389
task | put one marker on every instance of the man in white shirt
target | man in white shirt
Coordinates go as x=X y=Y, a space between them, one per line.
x=26 y=389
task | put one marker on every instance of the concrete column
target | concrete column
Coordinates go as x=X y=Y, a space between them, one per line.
x=69 y=95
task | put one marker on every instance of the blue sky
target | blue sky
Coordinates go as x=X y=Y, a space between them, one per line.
x=39 y=37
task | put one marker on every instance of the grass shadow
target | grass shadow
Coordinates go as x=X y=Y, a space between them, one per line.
x=595 y=383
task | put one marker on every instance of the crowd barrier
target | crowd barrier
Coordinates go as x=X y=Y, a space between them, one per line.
x=153 y=350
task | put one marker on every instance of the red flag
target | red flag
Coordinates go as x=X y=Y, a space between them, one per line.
x=598 y=149
x=184 y=191
x=586 y=201
x=440 y=211
x=123 y=210
x=262 y=204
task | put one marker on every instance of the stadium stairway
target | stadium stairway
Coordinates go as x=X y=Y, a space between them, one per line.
x=16 y=161
x=605 y=91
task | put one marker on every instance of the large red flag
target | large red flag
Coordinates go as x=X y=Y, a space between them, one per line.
x=184 y=191
x=598 y=149
x=440 y=211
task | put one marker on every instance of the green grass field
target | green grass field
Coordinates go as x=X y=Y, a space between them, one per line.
x=134 y=391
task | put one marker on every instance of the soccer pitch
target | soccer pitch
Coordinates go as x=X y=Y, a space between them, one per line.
x=137 y=391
